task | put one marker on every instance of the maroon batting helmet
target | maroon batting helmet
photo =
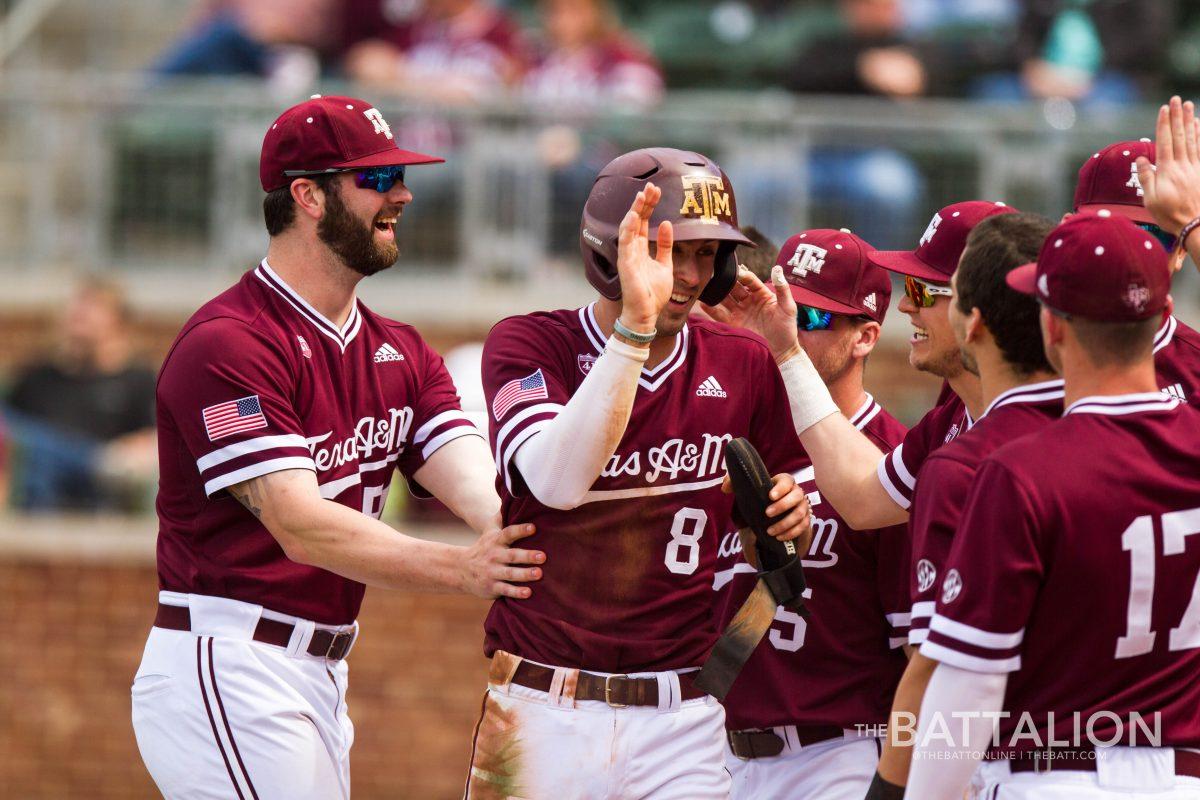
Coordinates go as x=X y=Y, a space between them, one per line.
x=697 y=198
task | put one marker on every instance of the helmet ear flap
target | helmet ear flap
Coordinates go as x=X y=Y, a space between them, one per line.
x=724 y=275
x=602 y=274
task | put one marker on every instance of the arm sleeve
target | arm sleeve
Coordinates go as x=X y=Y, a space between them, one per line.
x=437 y=415
x=936 y=511
x=229 y=391
x=943 y=763
x=562 y=461
x=993 y=576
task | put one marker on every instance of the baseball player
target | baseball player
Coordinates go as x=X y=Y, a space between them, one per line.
x=608 y=424
x=998 y=335
x=1067 y=628
x=869 y=488
x=284 y=406
x=798 y=715
x=1109 y=183
x=1170 y=183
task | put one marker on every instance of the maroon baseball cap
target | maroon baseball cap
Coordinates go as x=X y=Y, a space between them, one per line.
x=1101 y=267
x=942 y=244
x=829 y=270
x=330 y=134
x=1109 y=179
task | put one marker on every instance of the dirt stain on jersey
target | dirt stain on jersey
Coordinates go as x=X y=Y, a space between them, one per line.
x=632 y=544
x=496 y=765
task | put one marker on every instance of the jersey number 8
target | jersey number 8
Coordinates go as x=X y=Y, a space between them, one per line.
x=683 y=551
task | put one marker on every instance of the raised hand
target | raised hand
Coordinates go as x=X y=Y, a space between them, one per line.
x=1172 y=187
x=768 y=311
x=646 y=281
x=492 y=565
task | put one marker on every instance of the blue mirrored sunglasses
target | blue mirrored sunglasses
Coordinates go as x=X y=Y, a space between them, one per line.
x=813 y=319
x=381 y=179
x=1164 y=238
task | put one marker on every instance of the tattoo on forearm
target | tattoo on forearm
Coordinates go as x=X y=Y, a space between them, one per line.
x=250 y=494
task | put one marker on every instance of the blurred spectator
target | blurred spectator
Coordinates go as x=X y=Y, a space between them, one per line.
x=274 y=39
x=82 y=421
x=584 y=63
x=454 y=51
x=1094 y=51
x=875 y=191
x=870 y=56
x=587 y=61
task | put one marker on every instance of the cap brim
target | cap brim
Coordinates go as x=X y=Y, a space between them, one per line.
x=905 y=262
x=1023 y=279
x=391 y=157
x=1135 y=213
x=807 y=297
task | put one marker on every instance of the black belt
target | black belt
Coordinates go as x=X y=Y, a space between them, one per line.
x=333 y=645
x=767 y=743
x=616 y=690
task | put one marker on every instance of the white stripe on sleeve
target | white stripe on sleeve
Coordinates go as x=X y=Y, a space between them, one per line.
x=250 y=446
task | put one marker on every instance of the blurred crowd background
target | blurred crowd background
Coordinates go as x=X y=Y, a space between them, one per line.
x=130 y=130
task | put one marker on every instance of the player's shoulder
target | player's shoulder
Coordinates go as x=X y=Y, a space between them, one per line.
x=1183 y=336
x=720 y=335
x=562 y=322
x=233 y=325
x=878 y=425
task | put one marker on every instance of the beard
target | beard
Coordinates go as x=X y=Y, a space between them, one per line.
x=353 y=242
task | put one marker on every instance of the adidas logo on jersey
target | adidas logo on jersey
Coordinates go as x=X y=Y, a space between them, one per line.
x=387 y=353
x=710 y=388
x=870 y=302
x=1175 y=390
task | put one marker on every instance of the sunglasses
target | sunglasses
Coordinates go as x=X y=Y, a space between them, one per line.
x=381 y=179
x=813 y=319
x=1164 y=238
x=924 y=295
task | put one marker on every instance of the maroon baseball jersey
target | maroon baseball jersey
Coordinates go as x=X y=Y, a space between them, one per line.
x=946 y=481
x=258 y=382
x=898 y=469
x=1177 y=359
x=628 y=572
x=1075 y=570
x=841 y=666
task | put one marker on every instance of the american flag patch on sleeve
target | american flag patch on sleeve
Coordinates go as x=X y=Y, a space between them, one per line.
x=235 y=416
x=531 y=387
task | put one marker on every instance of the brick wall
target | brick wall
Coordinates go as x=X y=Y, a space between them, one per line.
x=72 y=625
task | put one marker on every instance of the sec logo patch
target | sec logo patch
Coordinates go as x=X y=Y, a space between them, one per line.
x=952 y=586
x=926 y=575
x=585 y=363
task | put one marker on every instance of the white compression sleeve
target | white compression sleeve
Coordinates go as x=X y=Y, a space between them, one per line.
x=809 y=399
x=949 y=747
x=562 y=461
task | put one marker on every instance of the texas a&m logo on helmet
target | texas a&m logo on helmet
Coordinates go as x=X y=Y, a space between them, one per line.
x=705 y=199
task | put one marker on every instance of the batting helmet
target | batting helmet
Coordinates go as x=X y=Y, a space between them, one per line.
x=697 y=198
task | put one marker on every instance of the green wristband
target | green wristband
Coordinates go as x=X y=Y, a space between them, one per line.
x=633 y=336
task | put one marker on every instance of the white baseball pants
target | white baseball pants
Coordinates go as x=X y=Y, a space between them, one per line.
x=219 y=716
x=837 y=769
x=1122 y=773
x=530 y=745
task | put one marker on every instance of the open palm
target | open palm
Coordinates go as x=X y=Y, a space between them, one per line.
x=768 y=311
x=646 y=281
